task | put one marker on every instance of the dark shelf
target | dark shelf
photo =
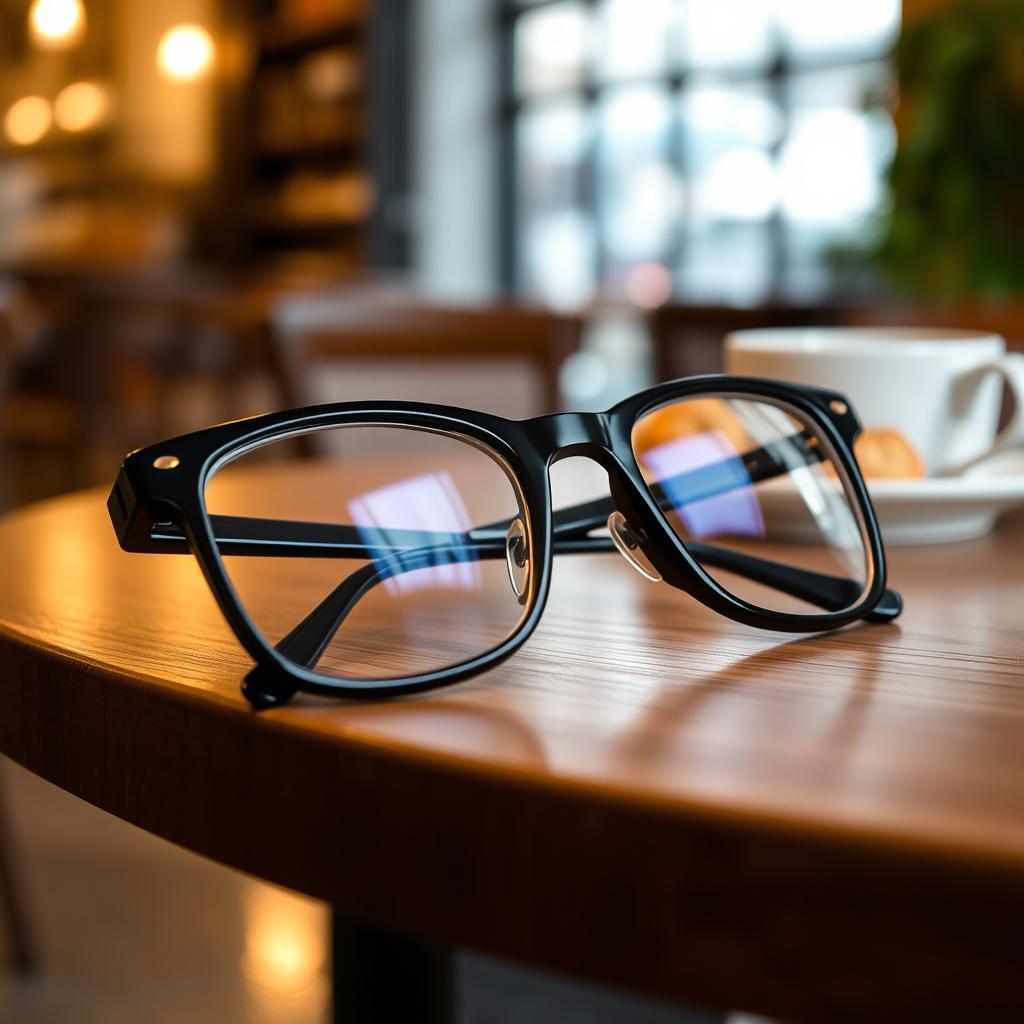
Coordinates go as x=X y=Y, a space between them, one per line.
x=280 y=41
x=276 y=135
x=60 y=144
x=315 y=151
x=281 y=226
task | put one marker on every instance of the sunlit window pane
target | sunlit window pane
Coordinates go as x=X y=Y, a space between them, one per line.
x=720 y=146
x=831 y=166
x=832 y=160
x=813 y=28
x=728 y=262
x=640 y=195
x=828 y=177
x=727 y=33
x=729 y=131
x=552 y=46
x=557 y=257
x=636 y=37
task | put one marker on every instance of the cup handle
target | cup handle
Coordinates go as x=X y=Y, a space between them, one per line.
x=1011 y=368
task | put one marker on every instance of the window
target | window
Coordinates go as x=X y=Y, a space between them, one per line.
x=716 y=150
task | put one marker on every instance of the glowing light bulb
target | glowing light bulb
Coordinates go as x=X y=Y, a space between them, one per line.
x=185 y=52
x=81 y=106
x=28 y=120
x=56 y=24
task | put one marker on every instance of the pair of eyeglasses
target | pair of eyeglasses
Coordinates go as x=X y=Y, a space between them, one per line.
x=414 y=549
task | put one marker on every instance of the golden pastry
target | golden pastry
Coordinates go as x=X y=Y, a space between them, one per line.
x=885 y=454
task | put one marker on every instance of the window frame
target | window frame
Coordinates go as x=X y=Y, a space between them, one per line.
x=776 y=76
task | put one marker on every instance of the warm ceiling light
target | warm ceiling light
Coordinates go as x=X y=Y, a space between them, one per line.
x=185 y=52
x=81 y=106
x=28 y=120
x=56 y=23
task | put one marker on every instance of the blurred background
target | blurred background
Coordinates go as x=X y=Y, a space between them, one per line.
x=210 y=208
x=213 y=208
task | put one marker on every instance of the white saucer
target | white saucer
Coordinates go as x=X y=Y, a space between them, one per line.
x=936 y=510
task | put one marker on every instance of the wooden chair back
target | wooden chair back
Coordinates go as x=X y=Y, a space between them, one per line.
x=688 y=339
x=387 y=325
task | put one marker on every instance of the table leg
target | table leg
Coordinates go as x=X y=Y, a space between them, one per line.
x=381 y=977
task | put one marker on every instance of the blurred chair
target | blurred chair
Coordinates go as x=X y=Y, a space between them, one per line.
x=688 y=339
x=411 y=338
x=168 y=334
x=12 y=907
x=1003 y=318
x=173 y=335
x=132 y=355
x=18 y=322
x=28 y=426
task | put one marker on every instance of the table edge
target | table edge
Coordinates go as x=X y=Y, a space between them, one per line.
x=733 y=817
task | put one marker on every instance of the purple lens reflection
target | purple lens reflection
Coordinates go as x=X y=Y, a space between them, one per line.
x=414 y=592
x=737 y=475
x=430 y=502
x=736 y=512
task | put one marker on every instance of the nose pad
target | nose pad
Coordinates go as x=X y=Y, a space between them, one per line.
x=628 y=544
x=517 y=559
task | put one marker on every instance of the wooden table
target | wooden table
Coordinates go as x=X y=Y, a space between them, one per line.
x=647 y=795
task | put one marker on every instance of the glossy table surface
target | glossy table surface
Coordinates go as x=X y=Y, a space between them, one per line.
x=646 y=794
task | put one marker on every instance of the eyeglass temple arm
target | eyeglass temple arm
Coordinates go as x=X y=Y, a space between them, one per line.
x=269 y=537
x=306 y=643
x=399 y=551
x=251 y=536
x=242 y=535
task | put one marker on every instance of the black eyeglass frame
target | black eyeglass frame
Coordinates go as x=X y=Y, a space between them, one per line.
x=157 y=505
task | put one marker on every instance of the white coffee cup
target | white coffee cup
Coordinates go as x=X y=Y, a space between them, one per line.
x=941 y=389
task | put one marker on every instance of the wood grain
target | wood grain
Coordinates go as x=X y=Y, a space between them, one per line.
x=824 y=829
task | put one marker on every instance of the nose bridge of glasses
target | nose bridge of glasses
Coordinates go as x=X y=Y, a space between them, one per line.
x=565 y=434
